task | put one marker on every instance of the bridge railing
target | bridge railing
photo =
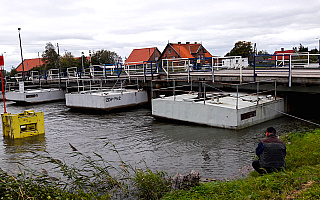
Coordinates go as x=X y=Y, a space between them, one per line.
x=285 y=61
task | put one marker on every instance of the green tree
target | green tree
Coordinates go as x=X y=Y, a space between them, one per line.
x=303 y=49
x=50 y=56
x=314 y=58
x=13 y=72
x=68 y=60
x=241 y=48
x=105 y=57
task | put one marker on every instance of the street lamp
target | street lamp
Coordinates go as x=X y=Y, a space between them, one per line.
x=21 y=55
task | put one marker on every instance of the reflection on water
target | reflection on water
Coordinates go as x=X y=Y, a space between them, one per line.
x=35 y=143
x=172 y=147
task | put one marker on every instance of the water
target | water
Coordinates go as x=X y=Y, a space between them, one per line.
x=175 y=148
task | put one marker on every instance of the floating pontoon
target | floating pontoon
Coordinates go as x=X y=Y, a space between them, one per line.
x=225 y=110
x=106 y=99
x=35 y=95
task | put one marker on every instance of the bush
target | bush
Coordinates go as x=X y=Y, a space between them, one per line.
x=151 y=185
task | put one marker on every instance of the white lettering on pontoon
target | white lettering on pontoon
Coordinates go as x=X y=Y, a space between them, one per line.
x=109 y=99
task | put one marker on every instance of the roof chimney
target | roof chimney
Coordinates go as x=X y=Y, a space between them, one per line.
x=179 y=42
x=282 y=49
x=187 y=42
x=196 y=42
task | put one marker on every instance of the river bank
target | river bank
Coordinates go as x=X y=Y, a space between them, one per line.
x=300 y=180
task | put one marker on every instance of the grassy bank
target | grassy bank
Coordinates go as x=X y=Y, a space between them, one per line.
x=300 y=180
x=93 y=180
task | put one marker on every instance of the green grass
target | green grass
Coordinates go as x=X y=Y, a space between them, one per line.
x=300 y=180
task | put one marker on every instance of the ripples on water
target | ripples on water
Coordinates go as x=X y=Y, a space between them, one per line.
x=171 y=147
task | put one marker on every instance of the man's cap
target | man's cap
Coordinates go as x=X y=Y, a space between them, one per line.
x=271 y=130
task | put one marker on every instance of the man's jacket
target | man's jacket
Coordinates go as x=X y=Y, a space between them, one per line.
x=271 y=152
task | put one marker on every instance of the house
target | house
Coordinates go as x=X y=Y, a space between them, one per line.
x=282 y=55
x=187 y=50
x=29 y=64
x=138 y=56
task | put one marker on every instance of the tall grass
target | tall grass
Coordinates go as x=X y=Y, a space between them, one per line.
x=91 y=177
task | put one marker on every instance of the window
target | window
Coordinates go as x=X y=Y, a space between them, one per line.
x=169 y=51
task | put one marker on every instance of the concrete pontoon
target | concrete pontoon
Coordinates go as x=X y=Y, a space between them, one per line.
x=106 y=99
x=231 y=111
x=36 y=95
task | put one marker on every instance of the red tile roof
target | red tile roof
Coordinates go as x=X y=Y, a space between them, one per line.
x=187 y=50
x=137 y=56
x=29 y=64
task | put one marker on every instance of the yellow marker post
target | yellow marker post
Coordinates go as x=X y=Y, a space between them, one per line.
x=22 y=125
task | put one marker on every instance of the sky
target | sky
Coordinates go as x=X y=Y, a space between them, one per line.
x=123 y=25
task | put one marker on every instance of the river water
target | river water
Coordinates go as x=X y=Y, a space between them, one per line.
x=164 y=146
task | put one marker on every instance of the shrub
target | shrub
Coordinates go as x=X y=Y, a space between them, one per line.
x=151 y=185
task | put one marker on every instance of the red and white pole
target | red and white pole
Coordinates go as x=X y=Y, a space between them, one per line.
x=2 y=69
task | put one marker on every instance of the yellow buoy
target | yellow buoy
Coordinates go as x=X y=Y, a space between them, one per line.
x=21 y=125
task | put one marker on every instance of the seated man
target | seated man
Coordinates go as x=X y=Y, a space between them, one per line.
x=271 y=152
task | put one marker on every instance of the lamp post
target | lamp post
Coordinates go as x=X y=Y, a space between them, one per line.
x=21 y=55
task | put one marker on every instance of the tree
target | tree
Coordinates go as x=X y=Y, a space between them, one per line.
x=50 y=56
x=314 y=58
x=68 y=60
x=241 y=48
x=303 y=49
x=13 y=72
x=105 y=57
x=263 y=52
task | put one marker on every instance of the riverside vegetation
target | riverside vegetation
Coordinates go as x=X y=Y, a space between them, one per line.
x=93 y=180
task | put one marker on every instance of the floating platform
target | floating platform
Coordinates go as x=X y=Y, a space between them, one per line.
x=36 y=95
x=106 y=99
x=26 y=124
x=219 y=110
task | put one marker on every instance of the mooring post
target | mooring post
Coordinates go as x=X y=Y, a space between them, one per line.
x=275 y=89
x=188 y=70
x=212 y=70
x=204 y=93
x=290 y=71
x=174 y=86
x=257 y=93
x=237 y=97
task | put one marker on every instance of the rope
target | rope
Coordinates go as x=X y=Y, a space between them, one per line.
x=293 y=116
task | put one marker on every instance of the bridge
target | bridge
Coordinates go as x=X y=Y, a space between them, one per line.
x=300 y=86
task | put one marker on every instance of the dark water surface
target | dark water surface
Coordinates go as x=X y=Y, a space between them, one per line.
x=171 y=147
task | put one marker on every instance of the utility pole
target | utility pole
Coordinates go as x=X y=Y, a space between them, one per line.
x=21 y=55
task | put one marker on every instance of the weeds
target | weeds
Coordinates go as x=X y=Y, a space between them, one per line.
x=151 y=185
x=91 y=177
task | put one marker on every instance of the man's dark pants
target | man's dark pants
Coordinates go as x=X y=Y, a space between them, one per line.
x=260 y=170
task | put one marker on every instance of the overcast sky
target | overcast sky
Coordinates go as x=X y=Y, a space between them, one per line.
x=123 y=25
